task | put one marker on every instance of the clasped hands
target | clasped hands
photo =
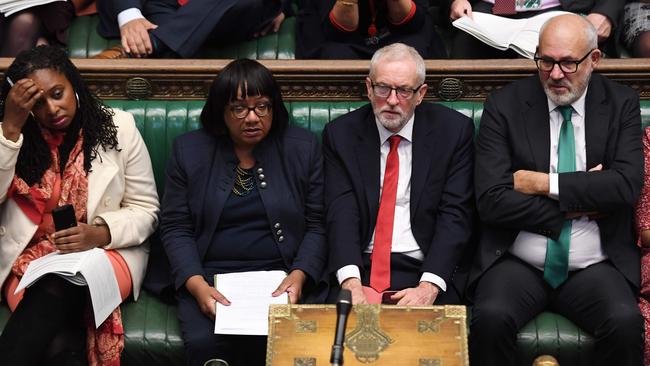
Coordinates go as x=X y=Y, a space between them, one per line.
x=207 y=296
x=536 y=183
x=424 y=294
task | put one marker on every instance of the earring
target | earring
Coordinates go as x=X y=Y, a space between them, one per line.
x=77 y=96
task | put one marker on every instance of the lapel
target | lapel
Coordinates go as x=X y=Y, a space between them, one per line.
x=596 y=121
x=368 y=156
x=423 y=153
x=538 y=131
x=220 y=181
x=103 y=169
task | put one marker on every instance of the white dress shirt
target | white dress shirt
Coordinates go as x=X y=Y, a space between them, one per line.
x=585 y=248
x=403 y=240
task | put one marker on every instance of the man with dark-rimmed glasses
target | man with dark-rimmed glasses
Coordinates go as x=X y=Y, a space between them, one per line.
x=559 y=167
x=398 y=189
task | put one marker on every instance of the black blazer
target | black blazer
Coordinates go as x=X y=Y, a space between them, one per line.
x=441 y=186
x=200 y=175
x=515 y=134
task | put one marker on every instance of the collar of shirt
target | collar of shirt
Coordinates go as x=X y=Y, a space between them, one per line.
x=406 y=132
x=578 y=105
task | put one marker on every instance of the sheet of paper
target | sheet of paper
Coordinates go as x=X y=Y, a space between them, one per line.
x=12 y=6
x=90 y=267
x=250 y=296
x=102 y=285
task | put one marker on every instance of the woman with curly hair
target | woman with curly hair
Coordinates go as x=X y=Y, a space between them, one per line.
x=60 y=145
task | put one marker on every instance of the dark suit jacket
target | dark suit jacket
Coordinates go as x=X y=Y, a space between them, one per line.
x=441 y=186
x=515 y=134
x=185 y=29
x=200 y=175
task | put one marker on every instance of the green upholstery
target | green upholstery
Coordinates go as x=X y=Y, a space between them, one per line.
x=152 y=332
x=84 y=42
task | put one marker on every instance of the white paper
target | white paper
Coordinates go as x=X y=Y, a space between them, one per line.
x=250 y=296
x=9 y=7
x=90 y=268
x=522 y=35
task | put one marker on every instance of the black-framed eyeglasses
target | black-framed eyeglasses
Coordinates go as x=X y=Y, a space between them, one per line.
x=383 y=91
x=567 y=66
x=241 y=111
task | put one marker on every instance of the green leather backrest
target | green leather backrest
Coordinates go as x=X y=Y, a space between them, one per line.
x=84 y=42
x=160 y=122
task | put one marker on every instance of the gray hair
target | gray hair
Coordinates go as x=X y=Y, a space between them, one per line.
x=399 y=51
x=589 y=31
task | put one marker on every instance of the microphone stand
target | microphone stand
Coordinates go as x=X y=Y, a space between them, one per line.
x=343 y=307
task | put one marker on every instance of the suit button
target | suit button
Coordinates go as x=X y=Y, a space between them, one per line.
x=263 y=185
x=3 y=230
x=261 y=177
x=107 y=201
x=277 y=225
x=279 y=232
x=281 y=238
x=497 y=253
x=260 y=170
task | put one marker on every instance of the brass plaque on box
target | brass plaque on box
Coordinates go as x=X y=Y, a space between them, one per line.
x=376 y=335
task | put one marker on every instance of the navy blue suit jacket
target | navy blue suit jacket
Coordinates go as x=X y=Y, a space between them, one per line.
x=200 y=175
x=442 y=206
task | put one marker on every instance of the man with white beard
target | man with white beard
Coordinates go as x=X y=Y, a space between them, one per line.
x=559 y=167
x=398 y=190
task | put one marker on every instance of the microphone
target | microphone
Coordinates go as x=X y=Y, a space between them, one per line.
x=343 y=307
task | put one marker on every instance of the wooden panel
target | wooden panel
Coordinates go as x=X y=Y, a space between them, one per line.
x=323 y=80
x=381 y=335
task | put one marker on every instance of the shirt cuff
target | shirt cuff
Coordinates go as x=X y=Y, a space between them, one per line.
x=8 y=143
x=553 y=186
x=128 y=15
x=346 y=272
x=436 y=280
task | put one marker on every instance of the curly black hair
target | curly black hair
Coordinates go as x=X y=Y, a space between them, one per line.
x=93 y=118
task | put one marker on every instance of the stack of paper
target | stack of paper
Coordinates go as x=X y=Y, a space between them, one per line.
x=521 y=35
x=8 y=7
x=249 y=294
x=91 y=267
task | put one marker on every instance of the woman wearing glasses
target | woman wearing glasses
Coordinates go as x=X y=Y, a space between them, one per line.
x=243 y=193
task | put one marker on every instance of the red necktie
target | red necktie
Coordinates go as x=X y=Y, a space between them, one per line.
x=380 y=262
x=182 y=2
x=504 y=7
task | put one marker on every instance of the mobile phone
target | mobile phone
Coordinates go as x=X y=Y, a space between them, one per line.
x=385 y=298
x=64 y=217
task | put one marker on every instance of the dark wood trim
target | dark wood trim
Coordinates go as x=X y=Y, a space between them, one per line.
x=323 y=80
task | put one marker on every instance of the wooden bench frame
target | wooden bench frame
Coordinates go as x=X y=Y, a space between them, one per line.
x=323 y=80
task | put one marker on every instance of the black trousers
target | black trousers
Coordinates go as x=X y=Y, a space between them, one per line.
x=201 y=344
x=598 y=299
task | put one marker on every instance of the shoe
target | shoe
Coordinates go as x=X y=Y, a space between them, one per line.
x=112 y=53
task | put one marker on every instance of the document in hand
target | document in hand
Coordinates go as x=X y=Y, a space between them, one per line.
x=521 y=35
x=249 y=294
x=91 y=267
x=8 y=7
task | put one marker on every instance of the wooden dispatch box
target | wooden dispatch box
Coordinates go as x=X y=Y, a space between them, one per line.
x=302 y=335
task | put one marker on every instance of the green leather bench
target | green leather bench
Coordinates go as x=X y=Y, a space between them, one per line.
x=84 y=42
x=151 y=329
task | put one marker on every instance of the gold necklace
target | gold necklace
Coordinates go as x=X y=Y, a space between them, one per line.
x=244 y=182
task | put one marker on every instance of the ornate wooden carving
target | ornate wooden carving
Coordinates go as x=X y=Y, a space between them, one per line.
x=323 y=80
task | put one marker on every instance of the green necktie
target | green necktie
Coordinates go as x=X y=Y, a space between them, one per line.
x=556 y=265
